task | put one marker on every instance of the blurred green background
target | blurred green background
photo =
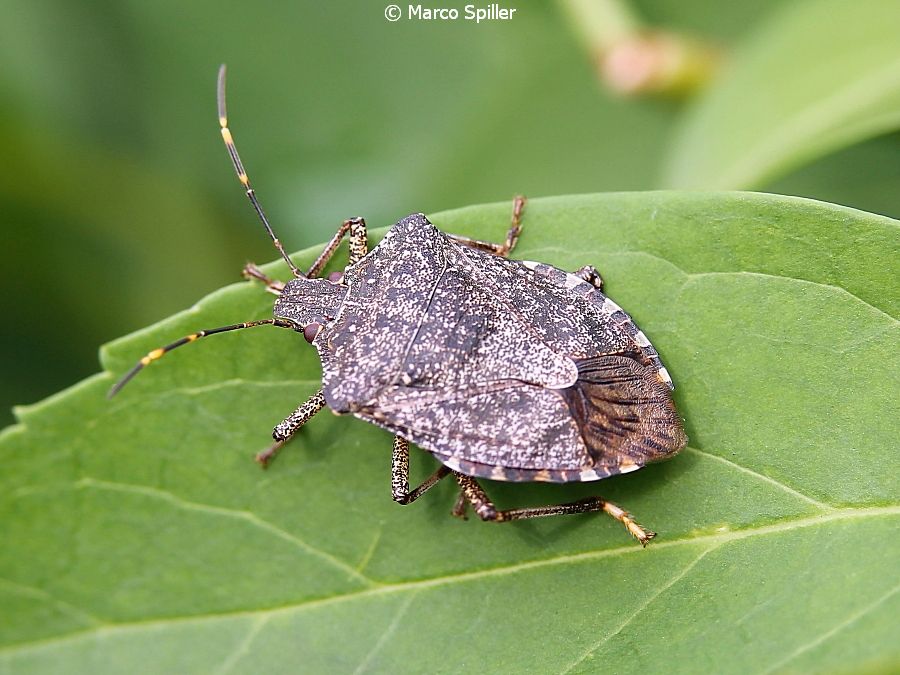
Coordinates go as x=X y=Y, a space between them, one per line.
x=119 y=205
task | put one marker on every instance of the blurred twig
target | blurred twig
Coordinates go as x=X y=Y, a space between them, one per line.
x=632 y=59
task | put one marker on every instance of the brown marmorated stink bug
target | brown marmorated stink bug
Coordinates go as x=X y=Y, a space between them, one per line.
x=502 y=369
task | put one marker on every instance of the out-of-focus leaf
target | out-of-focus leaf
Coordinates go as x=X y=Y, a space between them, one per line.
x=818 y=76
x=140 y=537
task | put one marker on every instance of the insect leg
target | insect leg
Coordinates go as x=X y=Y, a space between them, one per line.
x=515 y=226
x=400 y=475
x=251 y=271
x=290 y=425
x=359 y=244
x=486 y=510
x=512 y=236
x=590 y=274
x=459 y=508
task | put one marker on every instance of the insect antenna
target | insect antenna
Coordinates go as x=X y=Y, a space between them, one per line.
x=187 y=339
x=242 y=174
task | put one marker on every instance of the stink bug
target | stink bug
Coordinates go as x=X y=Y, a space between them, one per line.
x=502 y=369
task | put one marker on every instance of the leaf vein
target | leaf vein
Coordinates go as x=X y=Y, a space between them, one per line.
x=63 y=606
x=239 y=381
x=640 y=608
x=367 y=556
x=820 y=284
x=694 y=276
x=387 y=634
x=762 y=477
x=245 y=516
x=846 y=623
x=713 y=539
x=243 y=647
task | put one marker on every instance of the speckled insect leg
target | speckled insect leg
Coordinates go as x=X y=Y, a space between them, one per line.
x=400 y=475
x=459 y=508
x=515 y=227
x=359 y=244
x=590 y=274
x=251 y=271
x=512 y=235
x=290 y=425
x=486 y=510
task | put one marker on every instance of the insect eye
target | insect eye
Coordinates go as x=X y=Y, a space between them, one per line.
x=310 y=332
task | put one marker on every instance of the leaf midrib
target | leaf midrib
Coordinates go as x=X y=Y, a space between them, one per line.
x=712 y=541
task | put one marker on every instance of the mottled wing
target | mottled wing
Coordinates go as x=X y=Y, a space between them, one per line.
x=616 y=418
x=500 y=426
x=573 y=316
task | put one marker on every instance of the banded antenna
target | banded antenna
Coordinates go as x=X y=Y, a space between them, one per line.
x=242 y=174
x=251 y=270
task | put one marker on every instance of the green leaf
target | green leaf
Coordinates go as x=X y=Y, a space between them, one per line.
x=140 y=537
x=819 y=76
